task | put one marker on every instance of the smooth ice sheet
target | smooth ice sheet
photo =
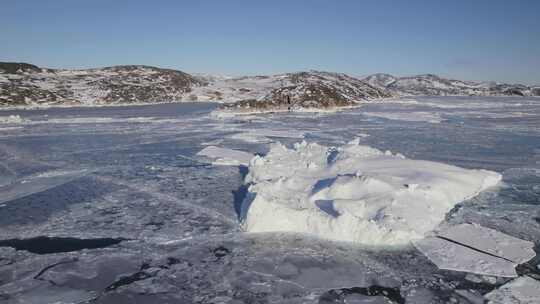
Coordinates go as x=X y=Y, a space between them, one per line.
x=38 y=183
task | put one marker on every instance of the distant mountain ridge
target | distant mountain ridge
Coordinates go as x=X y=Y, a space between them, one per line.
x=23 y=84
x=430 y=84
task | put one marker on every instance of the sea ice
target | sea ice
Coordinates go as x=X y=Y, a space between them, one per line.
x=38 y=183
x=491 y=241
x=476 y=249
x=452 y=256
x=226 y=157
x=523 y=290
x=262 y=135
x=408 y=116
x=354 y=193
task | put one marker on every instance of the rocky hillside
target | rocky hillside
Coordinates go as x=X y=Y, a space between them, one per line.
x=430 y=84
x=25 y=84
x=312 y=90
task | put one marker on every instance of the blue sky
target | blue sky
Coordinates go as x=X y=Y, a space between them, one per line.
x=476 y=40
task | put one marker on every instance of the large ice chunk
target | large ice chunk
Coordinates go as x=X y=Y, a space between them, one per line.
x=354 y=193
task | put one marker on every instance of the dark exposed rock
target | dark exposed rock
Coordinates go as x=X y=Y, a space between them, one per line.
x=513 y=91
x=15 y=67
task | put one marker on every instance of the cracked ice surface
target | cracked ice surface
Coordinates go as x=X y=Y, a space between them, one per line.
x=476 y=249
x=178 y=214
x=524 y=290
x=491 y=241
x=354 y=193
x=451 y=256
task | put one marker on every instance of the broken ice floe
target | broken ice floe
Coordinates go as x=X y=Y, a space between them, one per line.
x=523 y=290
x=452 y=256
x=491 y=241
x=38 y=183
x=354 y=193
x=408 y=116
x=262 y=135
x=226 y=157
x=476 y=249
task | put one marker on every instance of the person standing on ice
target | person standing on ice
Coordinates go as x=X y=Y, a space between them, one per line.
x=289 y=102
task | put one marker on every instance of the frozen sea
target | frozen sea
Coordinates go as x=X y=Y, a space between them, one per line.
x=112 y=204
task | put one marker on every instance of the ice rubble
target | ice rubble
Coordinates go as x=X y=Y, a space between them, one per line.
x=523 y=290
x=354 y=193
x=11 y=119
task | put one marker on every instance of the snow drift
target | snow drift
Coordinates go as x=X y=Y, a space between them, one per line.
x=354 y=193
x=226 y=157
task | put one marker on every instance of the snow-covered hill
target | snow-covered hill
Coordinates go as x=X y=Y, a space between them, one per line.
x=429 y=84
x=24 y=84
x=224 y=89
x=28 y=85
x=311 y=90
